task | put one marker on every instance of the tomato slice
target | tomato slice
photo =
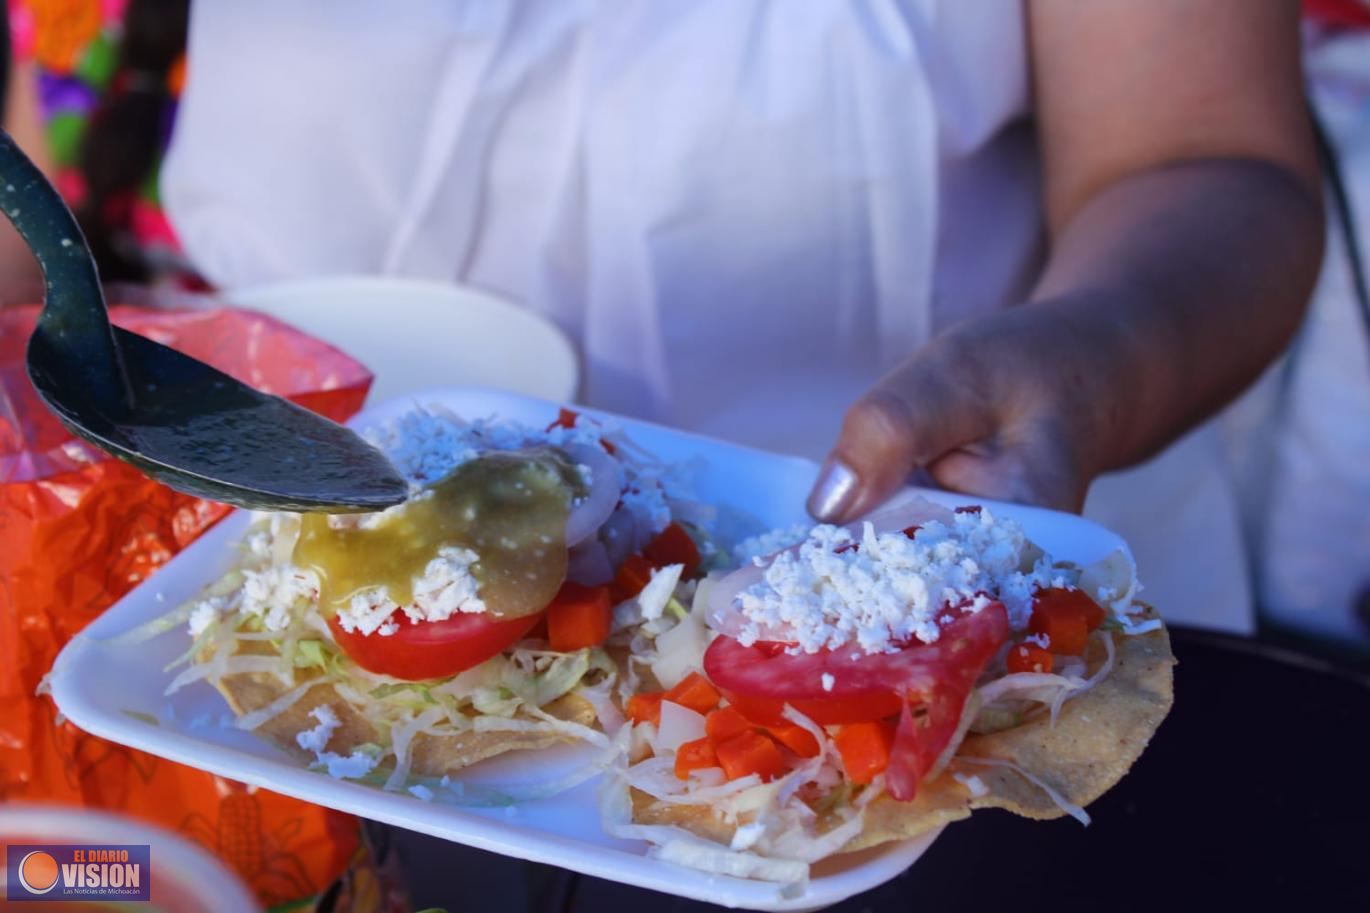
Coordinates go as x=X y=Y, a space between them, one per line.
x=433 y=649
x=765 y=670
x=765 y=711
x=928 y=682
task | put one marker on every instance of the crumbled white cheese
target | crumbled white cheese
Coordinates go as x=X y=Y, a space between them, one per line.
x=350 y=767
x=429 y=442
x=646 y=501
x=357 y=764
x=827 y=681
x=203 y=615
x=419 y=791
x=974 y=784
x=1041 y=640
x=273 y=594
x=316 y=740
x=446 y=588
x=746 y=835
x=1141 y=627
x=892 y=587
x=768 y=543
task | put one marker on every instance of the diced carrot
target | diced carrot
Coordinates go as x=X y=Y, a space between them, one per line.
x=1029 y=658
x=579 y=617
x=694 y=755
x=633 y=574
x=673 y=545
x=645 y=708
x=750 y=753
x=796 y=738
x=695 y=692
x=726 y=722
x=865 y=749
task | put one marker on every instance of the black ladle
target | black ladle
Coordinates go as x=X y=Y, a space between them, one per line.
x=177 y=419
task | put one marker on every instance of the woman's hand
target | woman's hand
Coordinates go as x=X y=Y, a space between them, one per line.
x=1181 y=191
x=1000 y=407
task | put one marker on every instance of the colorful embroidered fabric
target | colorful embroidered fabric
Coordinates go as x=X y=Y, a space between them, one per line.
x=74 y=45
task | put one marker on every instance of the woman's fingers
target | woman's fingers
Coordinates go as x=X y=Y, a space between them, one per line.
x=924 y=409
x=1034 y=468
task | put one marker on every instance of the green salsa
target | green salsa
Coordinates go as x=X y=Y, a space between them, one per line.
x=509 y=507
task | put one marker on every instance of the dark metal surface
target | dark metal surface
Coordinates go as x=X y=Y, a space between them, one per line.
x=177 y=419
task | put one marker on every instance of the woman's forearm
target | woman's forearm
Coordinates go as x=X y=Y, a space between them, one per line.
x=1171 y=290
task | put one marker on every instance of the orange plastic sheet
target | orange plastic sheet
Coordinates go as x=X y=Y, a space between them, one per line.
x=78 y=529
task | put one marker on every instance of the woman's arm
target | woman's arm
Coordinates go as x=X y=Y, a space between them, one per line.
x=1183 y=205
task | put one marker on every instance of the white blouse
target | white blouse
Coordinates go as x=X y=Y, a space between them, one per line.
x=743 y=211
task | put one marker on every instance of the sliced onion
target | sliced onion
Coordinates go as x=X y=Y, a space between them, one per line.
x=606 y=482
x=619 y=535
x=916 y=511
x=588 y=564
x=678 y=726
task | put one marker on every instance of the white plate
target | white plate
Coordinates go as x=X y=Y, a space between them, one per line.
x=101 y=687
x=415 y=335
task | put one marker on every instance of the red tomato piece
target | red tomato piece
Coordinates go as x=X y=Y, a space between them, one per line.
x=1029 y=658
x=433 y=649
x=633 y=574
x=767 y=670
x=1069 y=603
x=673 y=545
x=823 y=711
x=566 y=418
x=1066 y=617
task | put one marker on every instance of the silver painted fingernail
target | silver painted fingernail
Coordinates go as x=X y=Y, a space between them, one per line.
x=834 y=491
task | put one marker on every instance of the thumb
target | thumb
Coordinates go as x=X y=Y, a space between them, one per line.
x=914 y=415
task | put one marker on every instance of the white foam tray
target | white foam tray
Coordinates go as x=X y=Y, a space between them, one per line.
x=110 y=689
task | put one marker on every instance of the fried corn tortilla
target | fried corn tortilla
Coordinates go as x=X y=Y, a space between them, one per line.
x=1097 y=737
x=432 y=756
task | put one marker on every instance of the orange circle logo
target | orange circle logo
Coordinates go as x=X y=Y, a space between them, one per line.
x=38 y=872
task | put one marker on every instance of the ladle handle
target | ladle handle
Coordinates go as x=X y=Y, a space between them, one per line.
x=74 y=322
